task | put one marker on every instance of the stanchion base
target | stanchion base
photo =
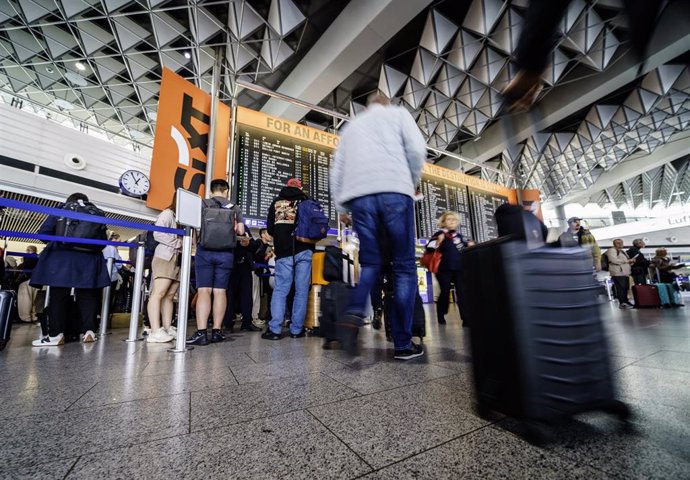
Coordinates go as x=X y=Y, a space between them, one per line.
x=186 y=349
x=137 y=340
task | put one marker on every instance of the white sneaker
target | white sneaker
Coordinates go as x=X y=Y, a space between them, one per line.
x=258 y=322
x=48 y=341
x=88 y=337
x=159 y=336
x=172 y=331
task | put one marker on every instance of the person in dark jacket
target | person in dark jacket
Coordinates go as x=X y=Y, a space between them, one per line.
x=293 y=262
x=63 y=269
x=241 y=284
x=449 y=242
x=640 y=268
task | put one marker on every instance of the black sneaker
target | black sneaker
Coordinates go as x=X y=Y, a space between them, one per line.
x=217 y=336
x=376 y=322
x=199 y=338
x=301 y=334
x=250 y=328
x=409 y=353
x=269 y=335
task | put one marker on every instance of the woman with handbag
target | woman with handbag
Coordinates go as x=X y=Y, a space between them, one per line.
x=446 y=243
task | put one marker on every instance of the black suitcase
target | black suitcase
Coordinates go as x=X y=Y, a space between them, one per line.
x=418 y=317
x=539 y=347
x=8 y=299
x=334 y=298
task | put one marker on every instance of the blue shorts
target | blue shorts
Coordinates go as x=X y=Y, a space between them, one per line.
x=212 y=269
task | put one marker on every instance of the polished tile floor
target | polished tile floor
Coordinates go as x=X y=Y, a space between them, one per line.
x=251 y=408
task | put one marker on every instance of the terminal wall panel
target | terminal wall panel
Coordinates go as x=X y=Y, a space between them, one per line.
x=29 y=139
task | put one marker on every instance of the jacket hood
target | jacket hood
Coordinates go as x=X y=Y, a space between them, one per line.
x=292 y=193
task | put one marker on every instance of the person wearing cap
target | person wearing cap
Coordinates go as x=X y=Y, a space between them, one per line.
x=293 y=262
x=576 y=235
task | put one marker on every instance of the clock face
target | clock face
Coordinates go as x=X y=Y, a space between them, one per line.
x=135 y=183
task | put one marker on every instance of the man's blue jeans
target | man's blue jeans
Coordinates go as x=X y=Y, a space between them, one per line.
x=386 y=221
x=283 y=282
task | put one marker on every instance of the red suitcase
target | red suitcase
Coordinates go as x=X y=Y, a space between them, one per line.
x=646 y=296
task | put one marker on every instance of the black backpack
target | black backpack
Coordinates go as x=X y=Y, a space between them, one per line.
x=70 y=227
x=218 y=223
x=605 y=262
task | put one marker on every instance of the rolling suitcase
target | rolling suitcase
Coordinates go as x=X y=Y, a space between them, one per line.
x=418 y=317
x=334 y=299
x=7 y=300
x=646 y=296
x=539 y=347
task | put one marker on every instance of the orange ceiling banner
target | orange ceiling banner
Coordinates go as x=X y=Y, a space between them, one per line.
x=180 y=143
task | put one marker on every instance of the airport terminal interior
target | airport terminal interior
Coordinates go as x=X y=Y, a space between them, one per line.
x=556 y=175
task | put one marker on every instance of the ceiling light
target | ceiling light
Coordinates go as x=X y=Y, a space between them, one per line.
x=187 y=55
x=49 y=69
x=80 y=66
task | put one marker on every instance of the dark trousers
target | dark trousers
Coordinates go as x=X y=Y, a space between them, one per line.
x=640 y=279
x=88 y=307
x=445 y=279
x=239 y=295
x=621 y=285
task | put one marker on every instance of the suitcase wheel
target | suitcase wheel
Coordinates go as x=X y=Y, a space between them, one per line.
x=619 y=409
x=483 y=411
x=537 y=433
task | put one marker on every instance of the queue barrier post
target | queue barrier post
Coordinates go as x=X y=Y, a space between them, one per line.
x=105 y=307
x=183 y=296
x=136 y=294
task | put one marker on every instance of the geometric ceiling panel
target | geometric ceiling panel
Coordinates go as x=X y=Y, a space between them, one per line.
x=464 y=50
x=166 y=28
x=438 y=32
x=558 y=62
x=59 y=41
x=284 y=16
x=414 y=93
x=483 y=15
x=243 y=20
x=391 y=81
x=660 y=80
x=602 y=52
x=274 y=50
x=206 y=26
x=488 y=66
x=108 y=68
x=34 y=10
x=507 y=34
x=471 y=92
x=129 y=32
x=449 y=80
x=457 y=113
x=425 y=66
x=93 y=37
x=436 y=104
x=25 y=45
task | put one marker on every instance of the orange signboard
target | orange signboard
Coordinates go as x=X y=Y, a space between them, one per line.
x=181 y=140
x=460 y=178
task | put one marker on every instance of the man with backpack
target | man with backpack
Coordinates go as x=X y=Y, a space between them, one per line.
x=221 y=223
x=296 y=223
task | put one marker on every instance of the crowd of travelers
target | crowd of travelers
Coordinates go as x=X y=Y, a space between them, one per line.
x=373 y=181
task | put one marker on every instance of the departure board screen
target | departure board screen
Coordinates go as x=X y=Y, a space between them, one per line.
x=267 y=159
x=483 y=205
x=439 y=197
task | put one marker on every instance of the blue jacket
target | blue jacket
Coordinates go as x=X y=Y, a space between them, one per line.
x=59 y=266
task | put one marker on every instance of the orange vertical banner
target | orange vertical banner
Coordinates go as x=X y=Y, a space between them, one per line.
x=180 y=142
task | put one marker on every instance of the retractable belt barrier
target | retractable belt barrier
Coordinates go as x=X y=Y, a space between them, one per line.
x=138 y=265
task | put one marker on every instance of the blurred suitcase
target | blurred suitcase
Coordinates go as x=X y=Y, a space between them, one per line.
x=646 y=296
x=334 y=299
x=7 y=301
x=418 y=317
x=539 y=347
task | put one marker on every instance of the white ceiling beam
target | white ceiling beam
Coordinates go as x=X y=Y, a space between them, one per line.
x=359 y=31
x=671 y=39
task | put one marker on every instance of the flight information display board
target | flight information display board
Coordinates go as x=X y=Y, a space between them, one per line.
x=270 y=151
x=483 y=205
x=439 y=197
x=474 y=199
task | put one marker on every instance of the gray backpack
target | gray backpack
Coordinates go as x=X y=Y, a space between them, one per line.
x=218 y=223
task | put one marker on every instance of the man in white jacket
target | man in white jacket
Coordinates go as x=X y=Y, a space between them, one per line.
x=619 y=269
x=374 y=175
